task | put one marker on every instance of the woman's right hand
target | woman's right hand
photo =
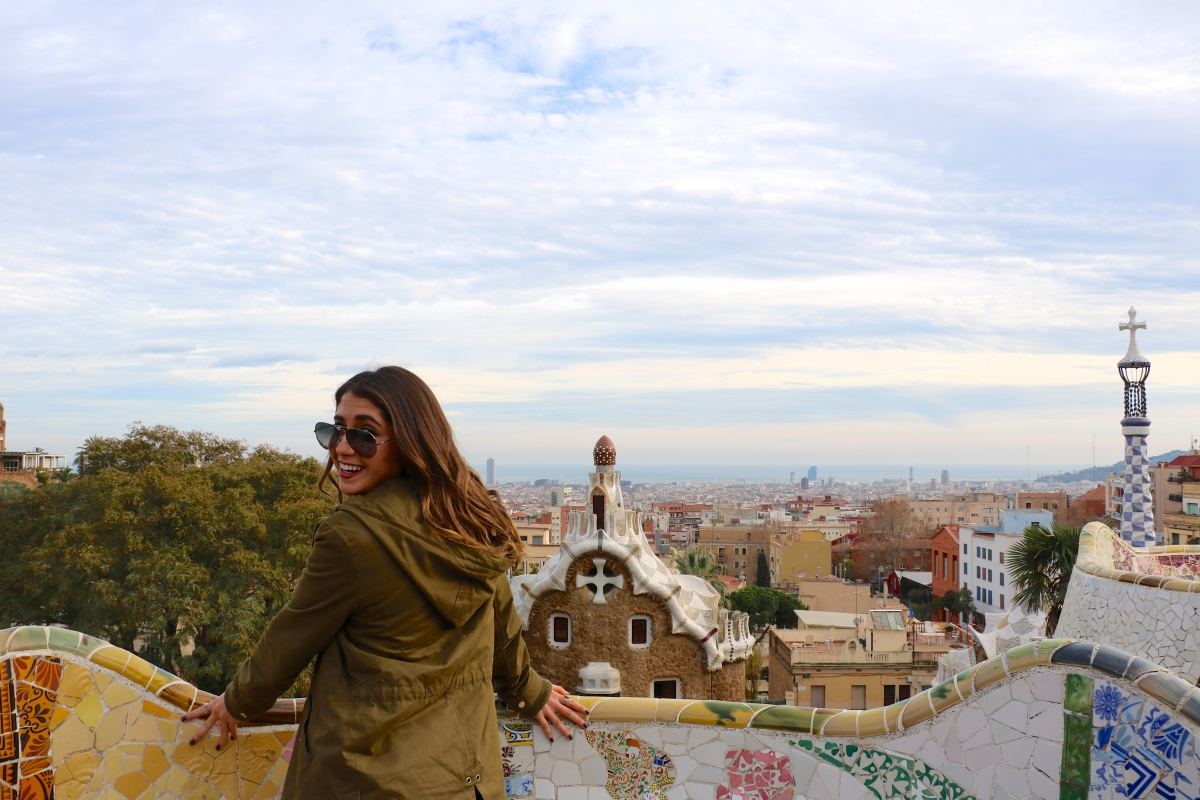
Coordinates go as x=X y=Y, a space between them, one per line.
x=558 y=706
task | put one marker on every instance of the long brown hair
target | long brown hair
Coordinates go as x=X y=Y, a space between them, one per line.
x=453 y=498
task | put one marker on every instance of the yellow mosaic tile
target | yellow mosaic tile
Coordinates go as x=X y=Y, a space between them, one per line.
x=61 y=714
x=624 y=709
x=891 y=716
x=110 y=657
x=268 y=790
x=71 y=737
x=159 y=680
x=1021 y=658
x=989 y=672
x=144 y=729
x=841 y=724
x=917 y=709
x=131 y=785
x=138 y=671
x=111 y=729
x=154 y=762
x=181 y=695
x=668 y=710
x=118 y=694
x=90 y=709
x=716 y=712
x=157 y=710
x=32 y=637
x=75 y=685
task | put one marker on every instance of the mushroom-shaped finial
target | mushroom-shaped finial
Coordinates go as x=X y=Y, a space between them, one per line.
x=604 y=454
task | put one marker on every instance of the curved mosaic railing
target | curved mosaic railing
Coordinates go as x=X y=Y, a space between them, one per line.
x=1143 y=602
x=1049 y=719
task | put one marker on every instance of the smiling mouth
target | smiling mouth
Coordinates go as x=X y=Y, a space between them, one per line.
x=349 y=470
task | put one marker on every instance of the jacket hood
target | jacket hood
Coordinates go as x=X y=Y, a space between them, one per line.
x=455 y=578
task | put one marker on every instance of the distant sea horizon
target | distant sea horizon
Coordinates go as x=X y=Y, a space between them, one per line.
x=710 y=473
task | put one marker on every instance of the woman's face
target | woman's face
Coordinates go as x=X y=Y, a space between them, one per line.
x=358 y=475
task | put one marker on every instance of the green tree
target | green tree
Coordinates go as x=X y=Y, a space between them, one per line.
x=179 y=545
x=11 y=489
x=1040 y=567
x=763 y=576
x=766 y=606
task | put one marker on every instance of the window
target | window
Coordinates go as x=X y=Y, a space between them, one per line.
x=667 y=688
x=1001 y=557
x=639 y=632
x=888 y=620
x=538 y=540
x=978 y=569
x=989 y=576
x=977 y=549
x=889 y=695
x=720 y=551
x=905 y=689
x=989 y=599
x=818 y=697
x=1001 y=602
x=1029 y=505
x=560 y=630
x=964 y=548
x=858 y=697
x=965 y=569
x=989 y=555
x=1001 y=578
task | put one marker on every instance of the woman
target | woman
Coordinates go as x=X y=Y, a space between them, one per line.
x=405 y=603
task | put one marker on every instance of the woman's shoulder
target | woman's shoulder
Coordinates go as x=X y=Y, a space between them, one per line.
x=394 y=503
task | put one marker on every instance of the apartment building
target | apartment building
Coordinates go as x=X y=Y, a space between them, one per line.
x=1054 y=502
x=975 y=508
x=1181 y=522
x=857 y=661
x=736 y=548
x=944 y=549
x=984 y=549
x=803 y=554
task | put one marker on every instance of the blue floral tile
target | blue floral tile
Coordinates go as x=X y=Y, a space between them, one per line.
x=1107 y=703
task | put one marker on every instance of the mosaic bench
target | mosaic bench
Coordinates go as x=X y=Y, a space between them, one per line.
x=1145 y=602
x=80 y=718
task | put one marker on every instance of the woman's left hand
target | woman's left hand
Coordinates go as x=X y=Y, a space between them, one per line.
x=213 y=712
x=557 y=707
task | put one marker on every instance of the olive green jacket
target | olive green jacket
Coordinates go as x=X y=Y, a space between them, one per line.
x=411 y=632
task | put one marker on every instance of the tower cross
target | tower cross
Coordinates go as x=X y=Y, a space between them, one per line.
x=601 y=582
x=1133 y=326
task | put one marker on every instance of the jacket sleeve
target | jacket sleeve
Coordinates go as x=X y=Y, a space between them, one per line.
x=513 y=677
x=325 y=595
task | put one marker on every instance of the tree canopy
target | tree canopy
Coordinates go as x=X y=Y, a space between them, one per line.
x=766 y=606
x=1040 y=567
x=763 y=571
x=179 y=545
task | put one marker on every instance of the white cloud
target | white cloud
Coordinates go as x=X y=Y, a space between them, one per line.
x=207 y=212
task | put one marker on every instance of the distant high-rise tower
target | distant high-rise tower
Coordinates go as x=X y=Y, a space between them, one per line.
x=491 y=481
x=812 y=473
x=804 y=483
x=945 y=477
x=1137 y=510
x=791 y=477
x=910 y=477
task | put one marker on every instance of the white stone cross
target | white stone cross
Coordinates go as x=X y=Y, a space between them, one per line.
x=1133 y=326
x=599 y=582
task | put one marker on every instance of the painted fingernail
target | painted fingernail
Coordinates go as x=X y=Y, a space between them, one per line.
x=191 y=741
x=218 y=747
x=571 y=737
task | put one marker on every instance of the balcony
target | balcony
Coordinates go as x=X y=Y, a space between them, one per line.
x=832 y=654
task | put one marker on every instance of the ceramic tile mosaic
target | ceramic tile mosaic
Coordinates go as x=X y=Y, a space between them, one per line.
x=1139 y=749
x=1046 y=720
x=1142 y=604
x=636 y=769
x=756 y=775
x=887 y=775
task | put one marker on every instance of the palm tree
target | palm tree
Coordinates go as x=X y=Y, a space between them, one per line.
x=1040 y=567
x=694 y=561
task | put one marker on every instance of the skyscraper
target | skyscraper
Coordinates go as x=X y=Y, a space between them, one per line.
x=812 y=474
x=1137 y=508
x=491 y=478
x=945 y=477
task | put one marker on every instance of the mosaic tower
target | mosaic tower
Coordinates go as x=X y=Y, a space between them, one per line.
x=1137 y=502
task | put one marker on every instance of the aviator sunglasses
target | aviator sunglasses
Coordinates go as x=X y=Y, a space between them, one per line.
x=362 y=442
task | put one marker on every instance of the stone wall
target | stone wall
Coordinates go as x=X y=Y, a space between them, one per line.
x=599 y=632
x=1144 y=603
x=1051 y=720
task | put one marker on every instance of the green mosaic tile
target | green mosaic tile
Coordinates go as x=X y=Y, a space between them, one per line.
x=888 y=776
x=803 y=744
x=1077 y=748
x=1079 y=694
x=1072 y=791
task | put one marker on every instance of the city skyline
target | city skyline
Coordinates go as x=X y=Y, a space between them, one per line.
x=719 y=235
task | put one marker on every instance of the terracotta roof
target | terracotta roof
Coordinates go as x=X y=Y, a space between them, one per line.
x=1185 y=461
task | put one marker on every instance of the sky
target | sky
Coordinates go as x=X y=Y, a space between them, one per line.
x=752 y=233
